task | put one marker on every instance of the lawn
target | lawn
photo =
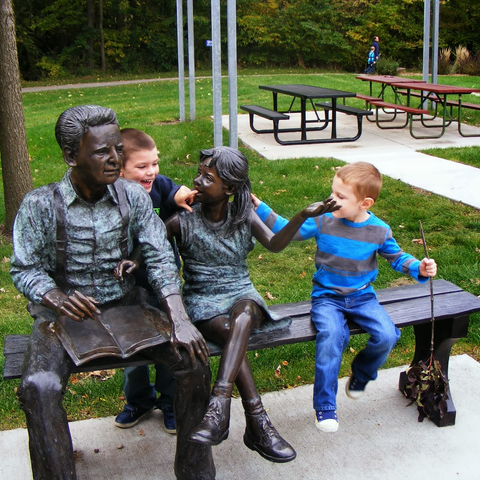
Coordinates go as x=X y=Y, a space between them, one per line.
x=452 y=229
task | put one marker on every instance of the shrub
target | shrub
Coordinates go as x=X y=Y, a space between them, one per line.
x=444 y=61
x=462 y=59
x=386 y=66
x=51 y=69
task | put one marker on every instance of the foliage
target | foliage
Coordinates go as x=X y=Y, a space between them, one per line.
x=444 y=59
x=141 y=36
x=386 y=66
x=426 y=386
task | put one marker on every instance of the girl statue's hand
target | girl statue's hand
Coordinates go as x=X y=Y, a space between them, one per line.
x=319 y=208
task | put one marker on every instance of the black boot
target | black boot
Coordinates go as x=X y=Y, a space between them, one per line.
x=213 y=429
x=261 y=436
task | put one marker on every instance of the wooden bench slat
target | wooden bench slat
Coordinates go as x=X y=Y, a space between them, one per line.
x=367 y=98
x=400 y=108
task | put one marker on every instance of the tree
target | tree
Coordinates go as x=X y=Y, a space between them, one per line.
x=17 y=178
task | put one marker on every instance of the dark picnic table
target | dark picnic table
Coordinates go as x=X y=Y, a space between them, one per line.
x=309 y=93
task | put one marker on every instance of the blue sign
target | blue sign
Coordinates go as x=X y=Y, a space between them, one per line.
x=208 y=43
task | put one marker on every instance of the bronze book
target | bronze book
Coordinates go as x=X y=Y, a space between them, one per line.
x=118 y=331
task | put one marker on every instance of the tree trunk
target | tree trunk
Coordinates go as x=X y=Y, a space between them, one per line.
x=17 y=178
x=102 y=39
x=90 y=25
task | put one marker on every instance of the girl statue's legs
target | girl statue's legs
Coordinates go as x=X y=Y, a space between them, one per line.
x=260 y=435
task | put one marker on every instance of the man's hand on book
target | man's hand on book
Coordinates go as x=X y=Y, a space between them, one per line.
x=184 y=333
x=75 y=306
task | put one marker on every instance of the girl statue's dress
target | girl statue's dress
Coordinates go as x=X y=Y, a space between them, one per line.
x=217 y=278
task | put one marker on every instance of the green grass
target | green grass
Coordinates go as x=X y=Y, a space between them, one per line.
x=452 y=229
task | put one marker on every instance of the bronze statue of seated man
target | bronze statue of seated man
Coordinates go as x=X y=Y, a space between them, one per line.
x=68 y=238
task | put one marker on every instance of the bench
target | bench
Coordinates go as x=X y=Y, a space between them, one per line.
x=272 y=115
x=397 y=108
x=407 y=306
x=358 y=112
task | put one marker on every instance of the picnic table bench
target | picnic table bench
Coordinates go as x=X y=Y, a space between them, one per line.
x=408 y=305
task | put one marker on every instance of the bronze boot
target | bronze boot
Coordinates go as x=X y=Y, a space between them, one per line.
x=261 y=436
x=213 y=429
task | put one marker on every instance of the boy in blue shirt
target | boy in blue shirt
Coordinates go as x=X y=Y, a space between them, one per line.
x=140 y=164
x=348 y=241
x=371 y=61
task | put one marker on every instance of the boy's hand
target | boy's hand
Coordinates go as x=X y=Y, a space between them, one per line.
x=428 y=267
x=123 y=268
x=319 y=208
x=256 y=202
x=185 y=197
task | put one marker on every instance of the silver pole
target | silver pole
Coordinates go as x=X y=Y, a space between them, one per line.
x=191 y=59
x=232 y=72
x=435 y=32
x=181 y=61
x=216 y=74
x=426 y=39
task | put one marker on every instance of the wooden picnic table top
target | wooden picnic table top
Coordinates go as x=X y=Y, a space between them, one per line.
x=387 y=79
x=435 y=88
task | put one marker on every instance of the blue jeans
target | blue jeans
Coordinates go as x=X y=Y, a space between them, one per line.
x=140 y=392
x=330 y=314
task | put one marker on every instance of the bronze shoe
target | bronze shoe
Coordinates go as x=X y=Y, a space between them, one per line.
x=262 y=437
x=213 y=429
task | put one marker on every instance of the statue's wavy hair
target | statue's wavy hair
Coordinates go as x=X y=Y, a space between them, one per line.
x=75 y=122
x=232 y=168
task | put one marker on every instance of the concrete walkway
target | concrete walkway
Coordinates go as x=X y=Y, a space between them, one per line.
x=379 y=439
x=394 y=152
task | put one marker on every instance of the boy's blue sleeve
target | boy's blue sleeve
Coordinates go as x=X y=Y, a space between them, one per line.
x=399 y=260
x=275 y=223
x=162 y=195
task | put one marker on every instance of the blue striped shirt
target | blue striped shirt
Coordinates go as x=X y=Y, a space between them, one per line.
x=346 y=256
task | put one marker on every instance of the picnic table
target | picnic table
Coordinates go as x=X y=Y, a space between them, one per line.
x=385 y=81
x=306 y=95
x=439 y=94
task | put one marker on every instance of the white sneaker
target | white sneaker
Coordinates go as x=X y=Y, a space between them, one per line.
x=326 y=421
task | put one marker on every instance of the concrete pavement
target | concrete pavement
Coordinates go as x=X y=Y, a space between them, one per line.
x=379 y=439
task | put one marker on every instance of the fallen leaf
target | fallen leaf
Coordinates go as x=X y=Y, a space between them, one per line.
x=285 y=363
x=302 y=275
x=119 y=446
x=352 y=350
x=417 y=240
x=269 y=296
x=140 y=432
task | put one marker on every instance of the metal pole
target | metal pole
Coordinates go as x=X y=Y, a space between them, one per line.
x=181 y=61
x=216 y=74
x=426 y=39
x=232 y=72
x=435 y=32
x=191 y=59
